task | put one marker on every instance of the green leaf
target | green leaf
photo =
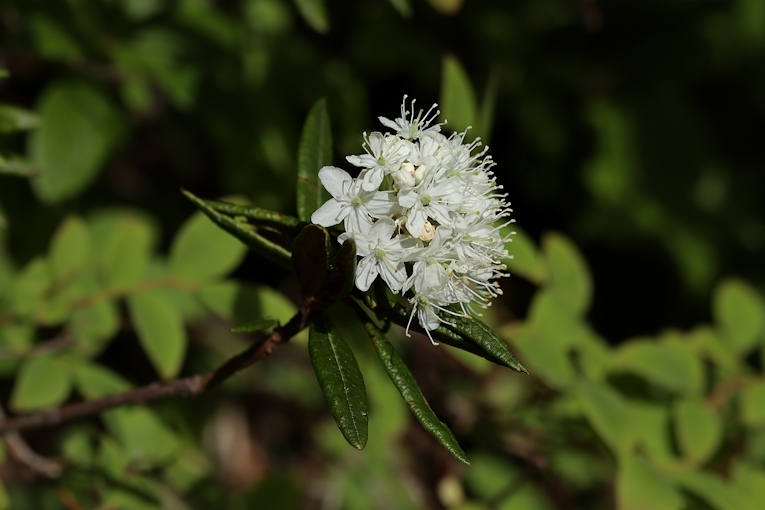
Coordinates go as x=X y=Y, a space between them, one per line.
x=526 y=260
x=340 y=380
x=70 y=249
x=639 y=486
x=608 y=413
x=315 y=152
x=458 y=102
x=698 y=429
x=13 y=119
x=407 y=386
x=717 y=493
x=256 y=326
x=31 y=286
x=147 y=441
x=570 y=279
x=479 y=333
x=95 y=381
x=42 y=382
x=752 y=404
x=160 y=330
x=314 y=13
x=201 y=251
x=246 y=233
x=261 y=217
x=341 y=274
x=127 y=251
x=310 y=258
x=670 y=364
x=402 y=6
x=740 y=315
x=93 y=326
x=80 y=129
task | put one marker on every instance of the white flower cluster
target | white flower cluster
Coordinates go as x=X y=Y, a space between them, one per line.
x=425 y=215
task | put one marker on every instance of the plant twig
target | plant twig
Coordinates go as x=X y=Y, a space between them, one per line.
x=20 y=451
x=183 y=387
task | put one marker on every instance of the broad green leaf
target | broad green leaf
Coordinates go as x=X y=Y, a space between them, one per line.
x=70 y=250
x=489 y=105
x=13 y=118
x=479 y=333
x=698 y=429
x=749 y=482
x=95 y=381
x=78 y=447
x=42 y=382
x=31 y=287
x=714 y=491
x=670 y=364
x=201 y=251
x=242 y=303
x=648 y=424
x=310 y=258
x=458 y=102
x=15 y=340
x=569 y=277
x=147 y=441
x=752 y=404
x=54 y=40
x=406 y=385
x=545 y=354
x=608 y=413
x=340 y=380
x=80 y=129
x=525 y=258
x=126 y=252
x=639 y=486
x=314 y=13
x=160 y=330
x=94 y=325
x=315 y=152
x=246 y=233
x=740 y=315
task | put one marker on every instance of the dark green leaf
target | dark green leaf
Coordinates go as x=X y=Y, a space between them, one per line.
x=74 y=116
x=256 y=214
x=315 y=152
x=340 y=380
x=479 y=333
x=310 y=258
x=341 y=274
x=246 y=233
x=159 y=326
x=406 y=385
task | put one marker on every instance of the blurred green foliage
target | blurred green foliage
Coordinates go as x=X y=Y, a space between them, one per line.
x=633 y=127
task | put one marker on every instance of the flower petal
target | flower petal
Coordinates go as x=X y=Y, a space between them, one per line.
x=334 y=180
x=330 y=213
x=366 y=272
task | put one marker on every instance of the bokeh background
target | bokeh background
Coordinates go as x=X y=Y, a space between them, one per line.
x=628 y=136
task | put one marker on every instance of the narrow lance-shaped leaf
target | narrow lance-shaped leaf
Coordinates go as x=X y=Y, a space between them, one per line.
x=340 y=380
x=315 y=152
x=406 y=385
x=257 y=215
x=310 y=258
x=482 y=335
x=244 y=232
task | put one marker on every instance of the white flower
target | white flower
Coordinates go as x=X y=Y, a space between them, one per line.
x=350 y=203
x=381 y=255
x=432 y=230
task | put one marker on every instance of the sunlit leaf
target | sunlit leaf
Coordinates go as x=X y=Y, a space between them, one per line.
x=608 y=413
x=70 y=250
x=740 y=315
x=713 y=490
x=698 y=429
x=570 y=280
x=42 y=382
x=126 y=252
x=670 y=364
x=160 y=330
x=405 y=383
x=526 y=259
x=458 y=102
x=97 y=381
x=753 y=404
x=340 y=380
x=314 y=152
x=314 y=13
x=201 y=251
x=640 y=486
x=79 y=130
x=13 y=118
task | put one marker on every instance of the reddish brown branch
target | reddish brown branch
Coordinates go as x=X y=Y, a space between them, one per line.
x=184 y=387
